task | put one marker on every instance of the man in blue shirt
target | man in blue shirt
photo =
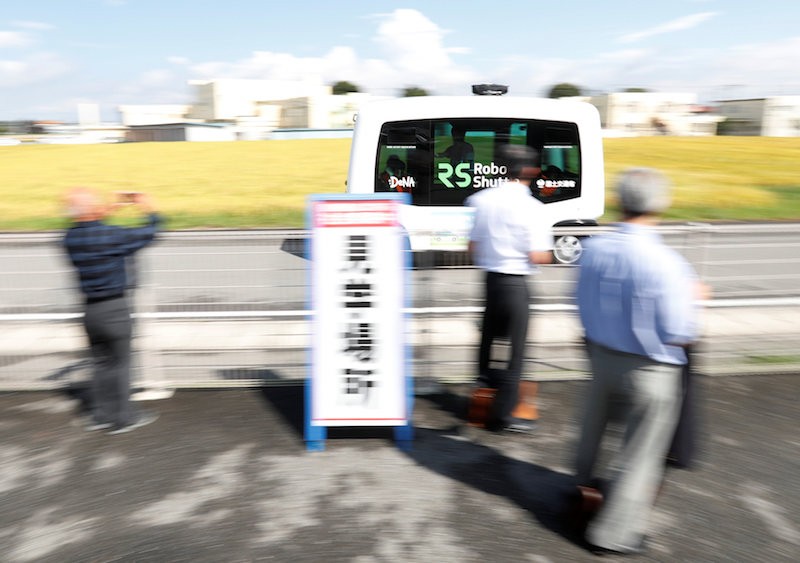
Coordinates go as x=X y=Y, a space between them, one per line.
x=510 y=236
x=636 y=300
x=101 y=253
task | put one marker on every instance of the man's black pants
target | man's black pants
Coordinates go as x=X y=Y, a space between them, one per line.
x=506 y=314
x=109 y=327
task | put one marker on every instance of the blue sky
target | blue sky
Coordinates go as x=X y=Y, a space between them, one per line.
x=55 y=54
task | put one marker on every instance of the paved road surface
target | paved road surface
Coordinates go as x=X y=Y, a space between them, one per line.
x=224 y=476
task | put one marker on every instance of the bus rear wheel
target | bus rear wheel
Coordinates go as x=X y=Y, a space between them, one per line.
x=567 y=249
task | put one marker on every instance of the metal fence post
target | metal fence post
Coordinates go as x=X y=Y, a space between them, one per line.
x=151 y=382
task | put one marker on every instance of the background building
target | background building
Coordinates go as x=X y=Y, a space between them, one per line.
x=253 y=109
x=777 y=116
x=180 y=132
x=153 y=114
x=653 y=113
x=244 y=109
x=265 y=104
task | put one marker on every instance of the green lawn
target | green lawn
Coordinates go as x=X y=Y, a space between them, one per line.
x=266 y=183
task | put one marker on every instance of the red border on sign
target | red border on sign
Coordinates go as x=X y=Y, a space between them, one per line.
x=355 y=213
x=359 y=418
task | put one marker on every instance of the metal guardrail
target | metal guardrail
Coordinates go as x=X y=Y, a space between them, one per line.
x=230 y=307
x=210 y=271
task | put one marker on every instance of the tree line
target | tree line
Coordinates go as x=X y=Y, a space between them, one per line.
x=561 y=90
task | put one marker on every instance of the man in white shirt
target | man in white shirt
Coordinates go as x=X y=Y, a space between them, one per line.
x=509 y=237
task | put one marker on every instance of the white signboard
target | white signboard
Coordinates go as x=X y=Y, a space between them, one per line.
x=358 y=366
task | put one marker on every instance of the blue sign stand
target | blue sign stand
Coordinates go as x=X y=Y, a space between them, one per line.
x=314 y=435
x=357 y=213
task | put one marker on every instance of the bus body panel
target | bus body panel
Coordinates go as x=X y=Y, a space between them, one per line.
x=433 y=117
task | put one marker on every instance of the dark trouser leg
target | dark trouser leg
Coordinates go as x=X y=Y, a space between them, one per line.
x=514 y=299
x=682 y=451
x=108 y=326
x=491 y=327
x=594 y=416
x=505 y=315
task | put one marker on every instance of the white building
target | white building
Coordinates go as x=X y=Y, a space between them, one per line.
x=777 y=116
x=653 y=113
x=90 y=129
x=253 y=109
x=88 y=115
x=164 y=132
x=153 y=114
x=230 y=99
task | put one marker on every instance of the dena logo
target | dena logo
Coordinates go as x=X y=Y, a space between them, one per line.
x=459 y=176
x=402 y=184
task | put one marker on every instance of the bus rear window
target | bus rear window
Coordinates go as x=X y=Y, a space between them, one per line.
x=443 y=161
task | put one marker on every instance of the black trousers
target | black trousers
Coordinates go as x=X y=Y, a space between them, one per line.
x=505 y=315
x=109 y=328
x=683 y=450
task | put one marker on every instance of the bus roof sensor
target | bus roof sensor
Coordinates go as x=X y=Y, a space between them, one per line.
x=489 y=89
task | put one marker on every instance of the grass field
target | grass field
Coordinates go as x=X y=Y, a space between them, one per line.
x=266 y=183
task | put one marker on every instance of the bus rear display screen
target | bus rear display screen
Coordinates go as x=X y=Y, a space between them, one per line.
x=441 y=162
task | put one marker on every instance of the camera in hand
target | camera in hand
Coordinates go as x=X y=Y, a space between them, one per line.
x=128 y=197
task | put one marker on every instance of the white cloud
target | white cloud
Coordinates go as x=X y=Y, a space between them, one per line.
x=211 y=69
x=156 y=77
x=36 y=69
x=415 y=51
x=11 y=68
x=459 y=50
x=278 y=66
x=680 y=24
x=32 y=25
x=408 y=49
x=412 y=51
x=750 y=70
x=157 y=86
x=261 y=64
x=408 y=38
x=177 y=60
x=15 y=39
x=419 y=59
x=625 y=55
x=757 y=69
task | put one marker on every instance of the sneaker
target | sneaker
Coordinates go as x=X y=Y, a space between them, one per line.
x=640 y=549
x=89 y=424
x=92 y=426
x=521 y=426
x=144 y=418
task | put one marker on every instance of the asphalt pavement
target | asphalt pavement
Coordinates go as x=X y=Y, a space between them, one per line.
x=224 y=476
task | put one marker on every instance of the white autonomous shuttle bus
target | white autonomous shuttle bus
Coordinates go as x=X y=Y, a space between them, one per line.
x=442 y=149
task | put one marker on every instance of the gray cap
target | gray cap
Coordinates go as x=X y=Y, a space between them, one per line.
x=643 y=190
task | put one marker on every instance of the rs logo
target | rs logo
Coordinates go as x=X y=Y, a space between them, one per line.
x=461 y=171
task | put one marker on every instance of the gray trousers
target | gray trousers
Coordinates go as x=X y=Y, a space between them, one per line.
x=109 y=328
x=644 y=396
